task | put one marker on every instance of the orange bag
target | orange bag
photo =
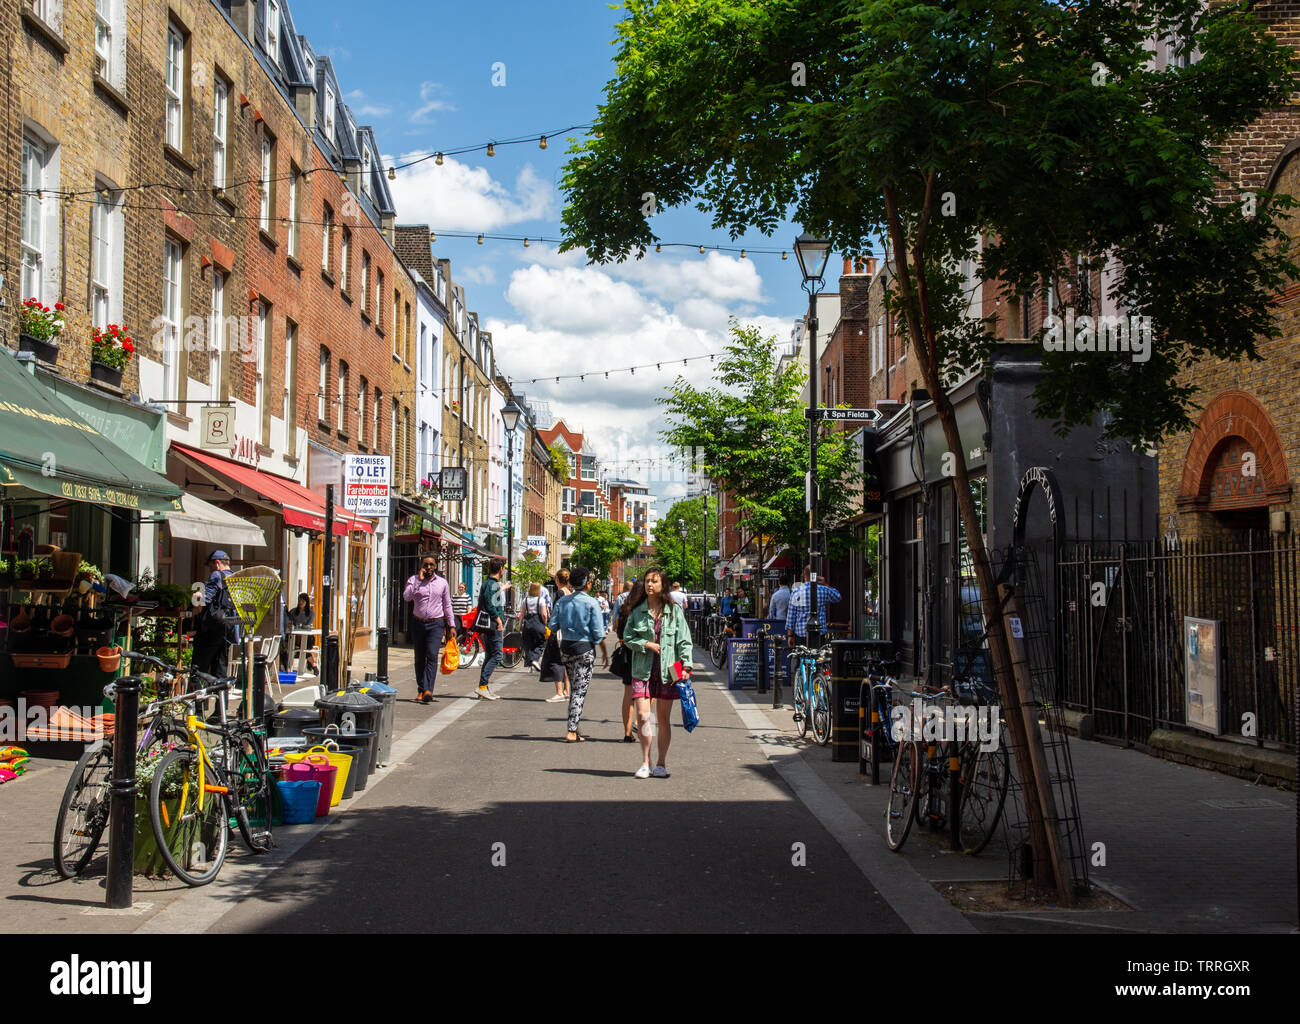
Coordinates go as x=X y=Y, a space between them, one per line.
x=450 y=656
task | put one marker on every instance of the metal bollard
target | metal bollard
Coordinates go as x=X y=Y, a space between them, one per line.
x=381 y=670
x=122 y=793
x=259 y=689
x=762 y=662
x=331 y=657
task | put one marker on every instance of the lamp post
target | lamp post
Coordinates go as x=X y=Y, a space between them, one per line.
x=510 y=419
x=812 y=253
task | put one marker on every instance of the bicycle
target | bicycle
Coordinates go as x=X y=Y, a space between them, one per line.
x=218 y=786
x=473 y=650
x=812 y=692
x=718 y=641
x=878 y=744
x=83 y=811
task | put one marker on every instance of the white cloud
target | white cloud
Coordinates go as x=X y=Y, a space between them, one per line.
x=356 y=99
x=458 y=197
x=675 y=491
x=481 y=274
x=430 y=103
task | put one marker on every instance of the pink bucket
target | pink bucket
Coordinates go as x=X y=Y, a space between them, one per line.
x=315 y=768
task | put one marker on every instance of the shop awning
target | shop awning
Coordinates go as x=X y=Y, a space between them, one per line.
x=206 y=522
x=781 y=561
x=301 y=508
x=47 y=449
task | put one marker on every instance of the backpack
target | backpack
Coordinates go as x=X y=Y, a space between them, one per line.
x=219 y=617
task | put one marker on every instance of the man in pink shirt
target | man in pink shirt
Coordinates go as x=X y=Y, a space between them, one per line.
x=432 y=622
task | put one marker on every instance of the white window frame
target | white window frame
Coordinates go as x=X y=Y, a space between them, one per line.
x=289 y=411
x=365 y=280
x=361 y=411
x=272 y=30
x=294 y=177
x=375 y=406
x=220 y=121
x=37 y=210
x=216 y=334
x=329 y=112
x=322 y=386
x=264 y=211
x=343 y=392
x=345 y=253
x=365 y=170
x=327 y=231
x=260 y=394
x=174 y=84
x=50 y=12
x=173 y=312
x=107 y=255
x=104 y=10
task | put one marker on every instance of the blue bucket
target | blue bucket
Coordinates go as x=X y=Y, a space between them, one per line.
x=300 y=799
x=288 y=678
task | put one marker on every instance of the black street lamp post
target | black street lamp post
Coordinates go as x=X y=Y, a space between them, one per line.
x=813 y=254
x=510 y=419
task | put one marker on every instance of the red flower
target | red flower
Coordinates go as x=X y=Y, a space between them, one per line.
x=128 y=346
x=59 y=306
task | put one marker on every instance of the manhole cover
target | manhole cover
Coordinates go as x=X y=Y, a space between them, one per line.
x=1242 y=805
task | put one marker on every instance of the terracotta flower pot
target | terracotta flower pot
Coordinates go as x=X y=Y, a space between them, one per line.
x=109 y=658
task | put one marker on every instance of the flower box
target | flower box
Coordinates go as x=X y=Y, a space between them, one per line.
x=45 y=351
x=106 y=374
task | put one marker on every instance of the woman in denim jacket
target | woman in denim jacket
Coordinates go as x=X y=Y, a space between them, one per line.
x=581 y=625
x=658 y=636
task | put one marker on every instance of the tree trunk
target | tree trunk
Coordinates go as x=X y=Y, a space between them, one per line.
x=925 y=350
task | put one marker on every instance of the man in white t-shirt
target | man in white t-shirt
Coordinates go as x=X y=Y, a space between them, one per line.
x=677 y=595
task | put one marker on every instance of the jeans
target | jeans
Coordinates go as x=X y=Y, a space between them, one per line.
x=492 y=649
x=427 y=638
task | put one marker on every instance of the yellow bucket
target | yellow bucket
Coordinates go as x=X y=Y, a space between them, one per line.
x=341 y=761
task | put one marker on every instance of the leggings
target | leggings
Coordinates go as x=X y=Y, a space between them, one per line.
x=579 y=676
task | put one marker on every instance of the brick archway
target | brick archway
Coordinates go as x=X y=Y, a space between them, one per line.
x=1233 y=424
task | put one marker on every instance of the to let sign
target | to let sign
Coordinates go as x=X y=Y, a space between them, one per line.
x=366 y=480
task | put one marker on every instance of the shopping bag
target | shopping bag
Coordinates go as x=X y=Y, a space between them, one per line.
x=450 y=656
x=690 y=714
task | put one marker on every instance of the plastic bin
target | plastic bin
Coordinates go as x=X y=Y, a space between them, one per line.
x=315 y=767
x=352 y=710
x=292 y=721
x=340 y=759
x=303 y=697
x=300 y=800
x=387 y=696
x=363 y=740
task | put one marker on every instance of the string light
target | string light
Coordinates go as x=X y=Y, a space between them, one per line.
x=525 y=243
x=480 y=239
x=433 y=236
x=701 y=250
x=541 y=143
x=491 y=150
x=439 y=160
x=392 y=174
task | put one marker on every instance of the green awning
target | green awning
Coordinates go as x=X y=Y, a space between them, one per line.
x=47 y=449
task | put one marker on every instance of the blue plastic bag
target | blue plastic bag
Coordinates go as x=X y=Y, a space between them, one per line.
x=690 y=714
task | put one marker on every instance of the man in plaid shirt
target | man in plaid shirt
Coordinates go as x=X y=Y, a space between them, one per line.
x=796 y=618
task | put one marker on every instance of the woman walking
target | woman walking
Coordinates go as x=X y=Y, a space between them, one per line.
x=658 y=637
x=627 y=601
x=553 y=670
x=578 y=617
x=536 y=614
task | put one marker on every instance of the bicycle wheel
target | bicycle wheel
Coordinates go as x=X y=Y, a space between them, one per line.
x=931 y=795
x=512 y=649
x=902 y=795
x=718 y=651
x=986 y=775
x=801 y=698
x=83 y=814
x=250 y=790
x=821 y=710
x=191 y=829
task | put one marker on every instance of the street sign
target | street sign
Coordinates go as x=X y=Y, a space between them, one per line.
x=452 y=483
x=366 y=480
x=715 y=553
x=863 y=415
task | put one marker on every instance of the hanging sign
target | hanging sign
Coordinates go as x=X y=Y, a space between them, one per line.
x=453 y=482
x=218 y=428
x=366 y=480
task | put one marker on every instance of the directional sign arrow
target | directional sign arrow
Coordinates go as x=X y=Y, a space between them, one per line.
x=864 y=415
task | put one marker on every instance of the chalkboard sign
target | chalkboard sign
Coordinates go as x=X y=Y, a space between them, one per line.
x=742 y=664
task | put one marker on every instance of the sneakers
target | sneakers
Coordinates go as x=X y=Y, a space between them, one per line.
x=660 y=772
x=485 y=695
x=555 y=698
x=643 y=772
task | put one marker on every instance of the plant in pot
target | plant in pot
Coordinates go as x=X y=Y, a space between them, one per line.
x=6 y=571
x=110 y=350
x=87 y=576
x=25 y=569
x=44 y=569
x=148 y=860
x=39 y=328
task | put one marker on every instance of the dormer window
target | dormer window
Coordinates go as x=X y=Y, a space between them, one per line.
x=273 y=29
x=329 y=111
x=365 y=171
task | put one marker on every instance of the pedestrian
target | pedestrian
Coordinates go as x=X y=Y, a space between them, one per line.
x=659 y=637
x=579 y=620
x=491 y=599
x=217 y=626
x=726 y=602
x=780 y=603
x=618 y=601
x=536 y=613
x=632 y=596
x=553 y=670
x=295 y=618
x=460 y=606
x=796 y=620
x=605 y=609
x=432 y=623
x=677 y=595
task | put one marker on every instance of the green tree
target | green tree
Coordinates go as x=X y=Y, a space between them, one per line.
x=751 y=437
x=668 y=541
x=560 y=461
x=601 y=543
x=528 y=570
x=1036 y=128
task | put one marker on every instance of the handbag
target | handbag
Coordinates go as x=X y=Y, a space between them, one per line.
x=450 y=656
x=620 y=662
x=690 y=713
x=483 y=620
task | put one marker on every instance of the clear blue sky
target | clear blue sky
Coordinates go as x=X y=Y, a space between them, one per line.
x=421 y=75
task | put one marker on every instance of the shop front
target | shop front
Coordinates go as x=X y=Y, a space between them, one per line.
x=71 y=501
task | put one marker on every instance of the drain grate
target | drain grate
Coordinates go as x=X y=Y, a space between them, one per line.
x=1242 y=805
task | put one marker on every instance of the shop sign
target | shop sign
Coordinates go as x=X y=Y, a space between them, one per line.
x=366 y=480
x=453 y=482
x=218 y=428
x=536 y=543
x=244 y=449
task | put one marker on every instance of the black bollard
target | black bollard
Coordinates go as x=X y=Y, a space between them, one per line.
x=382 y=651
x=259 y=689
x=331 y=655
x=762 y=662
x=122 y=792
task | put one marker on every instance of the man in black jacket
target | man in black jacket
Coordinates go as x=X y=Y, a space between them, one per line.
x=218 y=622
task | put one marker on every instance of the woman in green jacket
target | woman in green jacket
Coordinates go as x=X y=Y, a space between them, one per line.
x=658 y=636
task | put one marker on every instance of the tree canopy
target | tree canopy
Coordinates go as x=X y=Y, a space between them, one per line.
x=599 y=543
x=668 y=542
